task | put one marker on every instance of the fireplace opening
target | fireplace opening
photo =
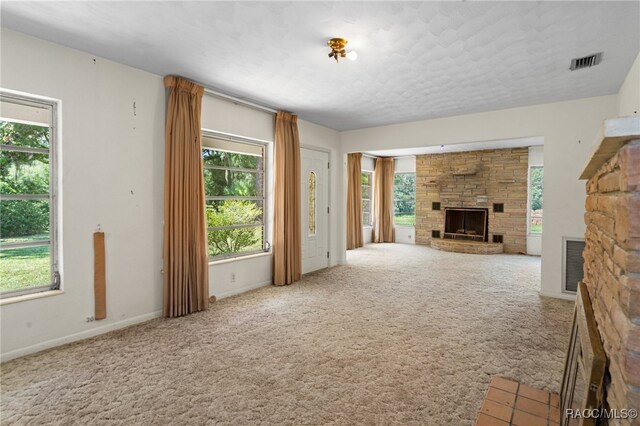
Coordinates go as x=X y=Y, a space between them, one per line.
x=466 y=224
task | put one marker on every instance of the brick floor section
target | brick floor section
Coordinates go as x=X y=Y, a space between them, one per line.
x=509 y=403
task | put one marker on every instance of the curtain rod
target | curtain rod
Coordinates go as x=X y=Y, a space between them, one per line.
x=239 y=101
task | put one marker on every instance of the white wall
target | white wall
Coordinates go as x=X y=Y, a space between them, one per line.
x=534 y=241
x=568 y=128
x=234 y=276
x=112 y=175
x=368 y=164
x=225 y=116
x=405 y=164
x=629 y=95
x=112 y=165
x=367 y=234
x=405 y=234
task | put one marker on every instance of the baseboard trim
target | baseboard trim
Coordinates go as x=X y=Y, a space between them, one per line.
x=564 y=296
x=78 y=336
x=109 y=327
x=243 y=289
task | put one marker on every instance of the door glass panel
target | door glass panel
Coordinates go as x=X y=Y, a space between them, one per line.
x=312 y=204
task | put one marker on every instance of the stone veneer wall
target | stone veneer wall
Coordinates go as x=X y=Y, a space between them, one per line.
x=458 y=179
x=612 y=270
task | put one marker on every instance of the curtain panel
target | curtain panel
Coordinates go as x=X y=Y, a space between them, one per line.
x=383 y=231
x=354 y=201
x=287 y=250
x=185 y=258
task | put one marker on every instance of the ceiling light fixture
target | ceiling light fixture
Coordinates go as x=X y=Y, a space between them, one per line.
x=338 y=50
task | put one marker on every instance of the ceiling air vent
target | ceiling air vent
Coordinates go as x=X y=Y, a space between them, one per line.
x=586 y=61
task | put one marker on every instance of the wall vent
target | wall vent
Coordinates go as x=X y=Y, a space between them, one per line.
x=497 y=238
x=498 y=207
x=572 y=263
x=586 y=61
x=435 y=206
x=435 y=233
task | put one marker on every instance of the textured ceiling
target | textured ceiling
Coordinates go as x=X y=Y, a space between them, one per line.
x=417 y=60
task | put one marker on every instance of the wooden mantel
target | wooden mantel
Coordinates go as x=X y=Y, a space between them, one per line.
x=613 y=135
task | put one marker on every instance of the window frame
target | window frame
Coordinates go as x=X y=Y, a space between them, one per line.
x=529 y=184
x=52 y=152
x=370 y=173
x=414 y=199
x=264 y=199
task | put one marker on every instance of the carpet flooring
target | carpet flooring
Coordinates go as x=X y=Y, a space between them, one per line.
x=401 y=335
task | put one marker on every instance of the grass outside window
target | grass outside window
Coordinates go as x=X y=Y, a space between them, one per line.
x=24 y=267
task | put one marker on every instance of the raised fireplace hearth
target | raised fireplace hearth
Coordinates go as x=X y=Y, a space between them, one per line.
x=466 y=246
x=466 y=224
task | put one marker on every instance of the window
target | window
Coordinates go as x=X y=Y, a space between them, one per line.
x=536 y=177
x=28 y=249
x=367 y=177
x=234 y=189
x=404 y=199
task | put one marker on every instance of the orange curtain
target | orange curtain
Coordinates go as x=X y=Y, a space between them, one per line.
x=186 y=266
x=383 y=231
x=287 y=256
x=354 y=201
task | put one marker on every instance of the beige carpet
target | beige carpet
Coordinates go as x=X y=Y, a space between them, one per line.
x=402 y=335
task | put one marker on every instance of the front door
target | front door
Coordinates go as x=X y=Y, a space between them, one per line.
x=314 y=190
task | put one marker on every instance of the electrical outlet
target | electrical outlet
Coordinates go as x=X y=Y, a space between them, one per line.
x=233 y=277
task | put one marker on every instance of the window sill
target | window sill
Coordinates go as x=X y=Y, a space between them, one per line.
x=534 y=234
x=235 y=259
x=31 y=296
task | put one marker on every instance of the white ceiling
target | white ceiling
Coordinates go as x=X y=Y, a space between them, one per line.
x=417 y=60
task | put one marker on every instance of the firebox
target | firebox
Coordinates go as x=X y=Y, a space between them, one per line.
x=466 y=224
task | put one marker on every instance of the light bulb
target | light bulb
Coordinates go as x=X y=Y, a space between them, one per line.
x=353 y=55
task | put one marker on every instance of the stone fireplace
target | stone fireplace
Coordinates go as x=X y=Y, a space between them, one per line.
x=473 y=202
x=612 y=257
